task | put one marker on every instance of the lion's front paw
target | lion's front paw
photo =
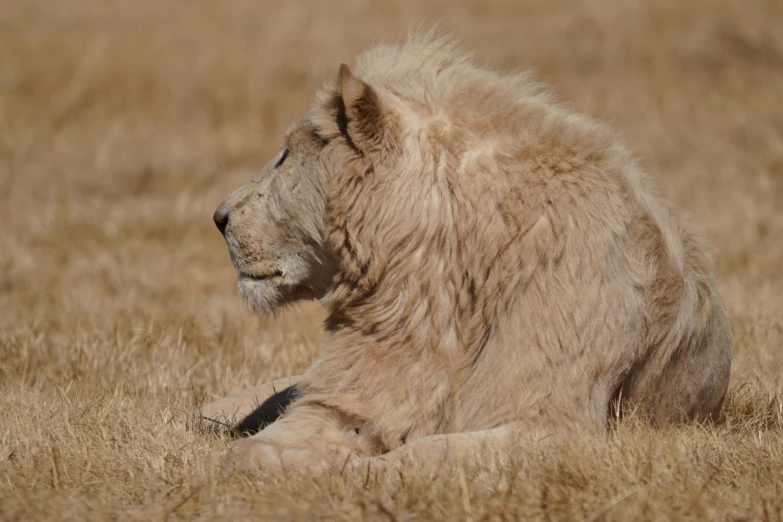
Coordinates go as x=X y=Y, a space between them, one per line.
x=254 y=456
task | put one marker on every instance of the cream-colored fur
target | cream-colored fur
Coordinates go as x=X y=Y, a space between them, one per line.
x=491 y=263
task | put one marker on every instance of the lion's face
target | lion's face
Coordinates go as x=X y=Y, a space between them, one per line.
x=274 y=226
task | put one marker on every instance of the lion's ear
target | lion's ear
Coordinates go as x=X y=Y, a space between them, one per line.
x=364 y=120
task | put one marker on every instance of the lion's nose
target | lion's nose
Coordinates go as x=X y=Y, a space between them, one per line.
x=220 y=217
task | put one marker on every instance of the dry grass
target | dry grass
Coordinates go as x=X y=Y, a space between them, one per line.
x=123 y=124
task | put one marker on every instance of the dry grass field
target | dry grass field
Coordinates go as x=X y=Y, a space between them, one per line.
x=122 y=126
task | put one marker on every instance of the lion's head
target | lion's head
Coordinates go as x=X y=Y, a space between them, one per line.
x=274 y=225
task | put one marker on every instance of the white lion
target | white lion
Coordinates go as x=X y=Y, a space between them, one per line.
x=491 y=263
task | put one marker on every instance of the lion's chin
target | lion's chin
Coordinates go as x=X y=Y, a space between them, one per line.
x=262 y=294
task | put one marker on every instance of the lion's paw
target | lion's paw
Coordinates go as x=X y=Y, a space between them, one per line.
x=255 y=456
x=252 y=456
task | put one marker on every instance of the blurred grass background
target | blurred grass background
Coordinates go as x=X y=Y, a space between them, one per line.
x=124 y=124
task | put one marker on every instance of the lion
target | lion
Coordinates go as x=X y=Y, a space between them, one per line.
x=490 y=261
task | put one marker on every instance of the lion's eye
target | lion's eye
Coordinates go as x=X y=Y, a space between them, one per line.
x=283 y=156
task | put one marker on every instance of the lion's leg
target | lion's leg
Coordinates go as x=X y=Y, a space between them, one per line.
x=317 y=439
x=278 y=449
x=694 y=383
x=264 y=453
x=249 y=410
x=436 y=451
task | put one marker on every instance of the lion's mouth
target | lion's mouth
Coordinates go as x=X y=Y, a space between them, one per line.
x=263 y=277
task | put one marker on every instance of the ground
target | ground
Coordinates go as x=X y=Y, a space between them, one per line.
x=124 y=124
